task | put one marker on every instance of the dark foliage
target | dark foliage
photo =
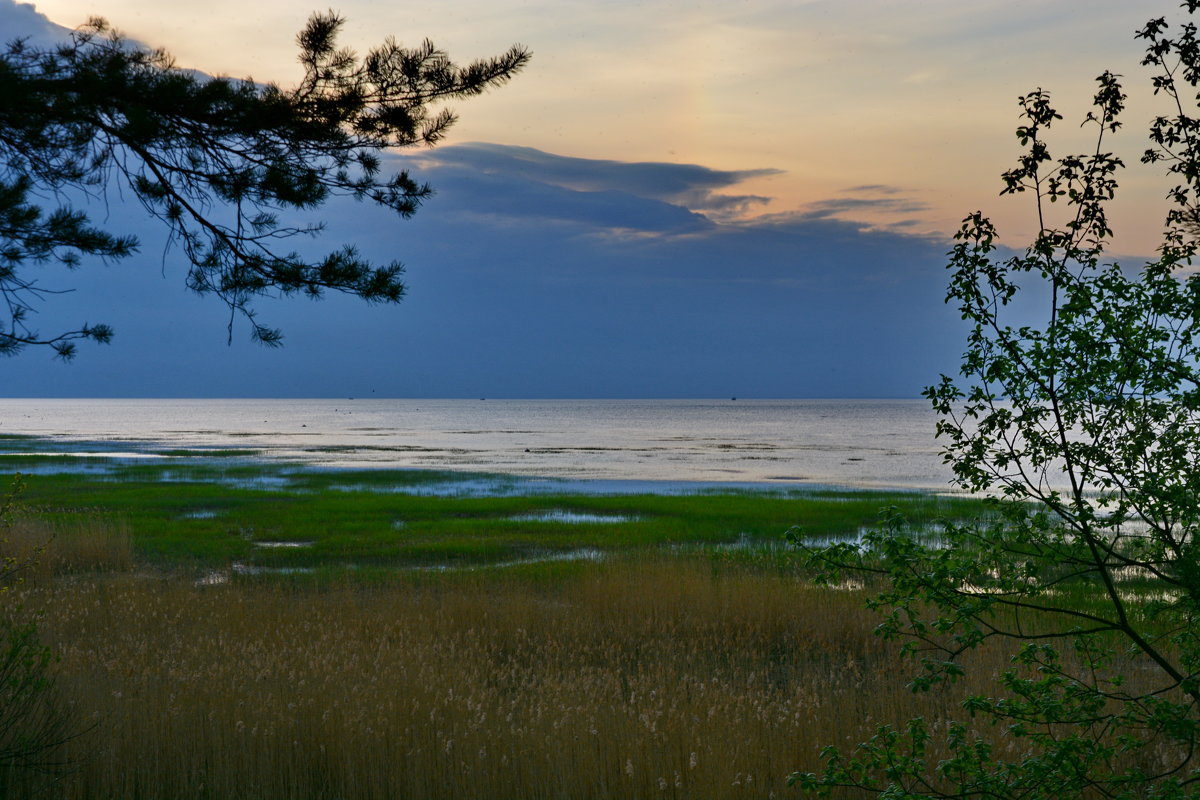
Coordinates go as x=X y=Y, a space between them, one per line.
x=1085 y=432
x=34 y=724
x=224 y=164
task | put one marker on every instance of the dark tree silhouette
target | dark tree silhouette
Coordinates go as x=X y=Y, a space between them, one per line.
x=224 y=164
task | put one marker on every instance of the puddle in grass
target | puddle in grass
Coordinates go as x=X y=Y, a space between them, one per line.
x=98 y=469
x=204 y=513
x=219 y=577
x=73 y=462
x=746 y=543
x=260 y=482
x=581 y=554
x=930 y=535
x=574 y=517
x=118 y=454
x=222 y=576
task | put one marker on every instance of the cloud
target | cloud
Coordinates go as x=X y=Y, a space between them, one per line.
x=840 y=206
x=690 y=186
x=599 y=196
x=875 y=207
x=24 y=21
x=503 y=198
x=875 y=188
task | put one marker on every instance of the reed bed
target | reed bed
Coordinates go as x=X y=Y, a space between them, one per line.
x=659 y=672
x=82 y=542
x=650 y=677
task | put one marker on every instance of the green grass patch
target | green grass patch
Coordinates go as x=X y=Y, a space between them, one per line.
x=217 y=512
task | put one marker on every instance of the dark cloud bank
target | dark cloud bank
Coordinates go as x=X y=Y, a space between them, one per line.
x=537 y=275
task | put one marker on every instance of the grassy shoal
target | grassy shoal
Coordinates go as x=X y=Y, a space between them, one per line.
x=219 y=511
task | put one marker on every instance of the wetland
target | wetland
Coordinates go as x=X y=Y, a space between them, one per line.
x=228 y=626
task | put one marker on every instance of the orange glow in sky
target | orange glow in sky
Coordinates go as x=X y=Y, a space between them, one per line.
x=915 y=95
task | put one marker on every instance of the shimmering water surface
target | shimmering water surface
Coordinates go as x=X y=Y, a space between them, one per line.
x=856 y=443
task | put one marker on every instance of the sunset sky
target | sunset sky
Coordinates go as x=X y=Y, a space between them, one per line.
x=915 y=95
x=869 y=117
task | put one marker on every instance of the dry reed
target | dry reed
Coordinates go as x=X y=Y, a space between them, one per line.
x=651 y=678
x=82 y=543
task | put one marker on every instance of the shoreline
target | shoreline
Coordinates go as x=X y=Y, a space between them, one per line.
x=68 y=455
x=751 y=445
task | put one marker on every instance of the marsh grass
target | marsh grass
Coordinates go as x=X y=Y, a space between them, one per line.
x=643 y=677
x=83 y=543
x=693 y=661
x=217 y=511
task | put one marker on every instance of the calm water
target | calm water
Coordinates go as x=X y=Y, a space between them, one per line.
x=866 y=443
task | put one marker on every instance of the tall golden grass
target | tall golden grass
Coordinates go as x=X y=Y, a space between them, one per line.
x=82 y=543
x=648 y=678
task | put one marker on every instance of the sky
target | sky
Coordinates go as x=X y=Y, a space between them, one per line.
x=675 y=199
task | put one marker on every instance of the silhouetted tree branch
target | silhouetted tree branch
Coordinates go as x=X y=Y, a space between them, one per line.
x=222 y=163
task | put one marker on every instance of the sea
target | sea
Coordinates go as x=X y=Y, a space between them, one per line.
x=580 y=445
